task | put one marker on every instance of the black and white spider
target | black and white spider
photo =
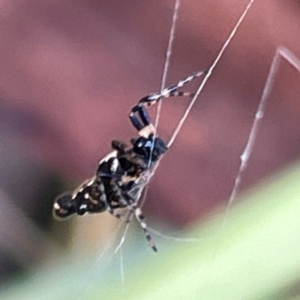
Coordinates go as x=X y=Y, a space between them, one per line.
x=121 y=174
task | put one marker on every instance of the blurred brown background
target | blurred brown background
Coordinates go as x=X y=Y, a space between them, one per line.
x=71 y=70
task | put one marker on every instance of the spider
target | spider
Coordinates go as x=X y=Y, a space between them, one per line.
x=120 y=176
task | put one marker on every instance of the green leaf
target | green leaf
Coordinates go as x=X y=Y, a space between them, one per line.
x=254 y=254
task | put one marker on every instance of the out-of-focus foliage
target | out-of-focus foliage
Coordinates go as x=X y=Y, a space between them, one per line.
x=253 y=254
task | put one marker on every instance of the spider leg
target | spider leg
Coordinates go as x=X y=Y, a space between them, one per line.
x=134 y=210
x=119 y=216
x=141 y=120
x=119 y=146
x=124 y=201
x=141 y=219
x=129 y=216
x=114 y=213
x=181 y=94
x=172 y=91
x=139 y=116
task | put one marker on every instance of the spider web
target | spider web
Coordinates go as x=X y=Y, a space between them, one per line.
x=281 y=52
x=119 y=247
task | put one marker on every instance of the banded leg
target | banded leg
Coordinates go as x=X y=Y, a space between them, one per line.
x=139 y=116
x=172 y=91
x=119 y=146
x=126 y=219
x=141 y=219
x=114 y=213
x=134 y=210
x=123 y=202
x=141 y=120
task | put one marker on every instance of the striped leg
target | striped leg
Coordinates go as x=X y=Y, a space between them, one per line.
x=140 y=119
x=172 y=91
x=125 y=204
x=134 y=210
x=129 y=204
x=141 y=219
x=139 y=116
x=113 y=212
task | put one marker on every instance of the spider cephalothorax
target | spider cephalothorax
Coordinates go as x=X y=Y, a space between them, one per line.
x=120 y=173
x=150 y=149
